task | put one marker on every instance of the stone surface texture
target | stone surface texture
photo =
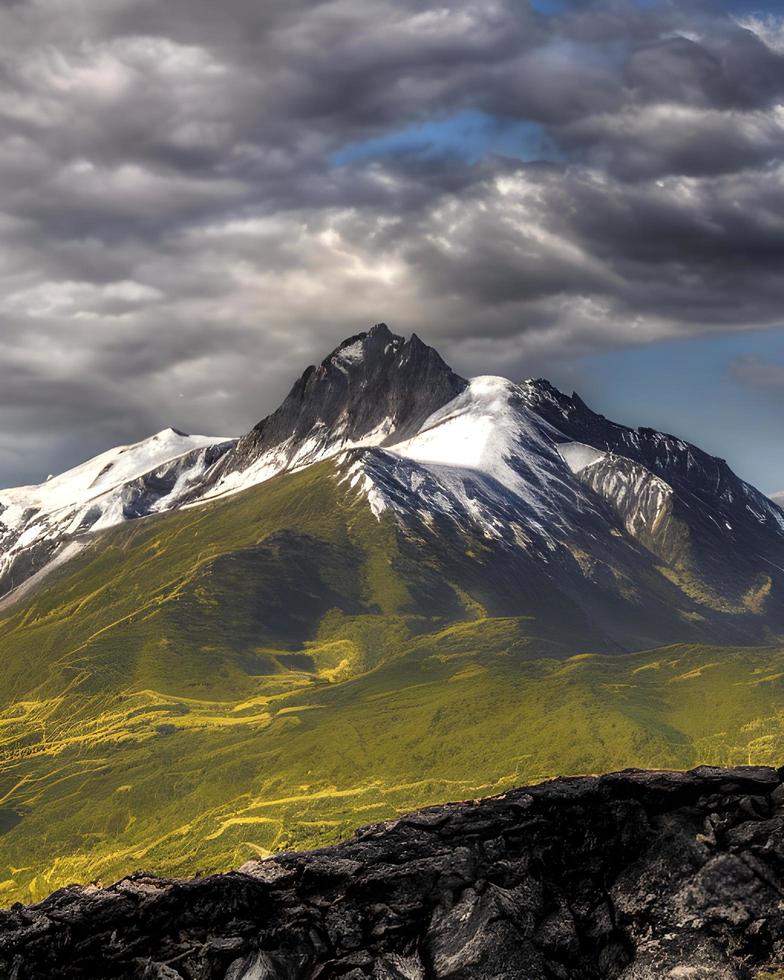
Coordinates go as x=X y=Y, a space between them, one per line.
x=633 y=875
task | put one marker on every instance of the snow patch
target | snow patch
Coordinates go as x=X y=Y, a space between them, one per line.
x=91 y=496
x=578 y=456
x=352 y=354
x=360 y=480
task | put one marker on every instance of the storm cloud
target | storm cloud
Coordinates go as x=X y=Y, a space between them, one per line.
x=188 y=216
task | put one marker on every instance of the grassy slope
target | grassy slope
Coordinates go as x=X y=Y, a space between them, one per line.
x=163 y=703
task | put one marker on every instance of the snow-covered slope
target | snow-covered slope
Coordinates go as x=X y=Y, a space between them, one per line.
x=486 y=429
x=494 y=467
x=36 y=522
x=488 y=434
x=82 y=484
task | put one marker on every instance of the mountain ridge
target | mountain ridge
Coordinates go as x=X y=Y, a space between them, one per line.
x=399 y=614
x=627 y=526
x=38 y=522
x=277 y=667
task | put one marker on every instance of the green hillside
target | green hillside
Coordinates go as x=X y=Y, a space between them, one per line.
x=266 y=672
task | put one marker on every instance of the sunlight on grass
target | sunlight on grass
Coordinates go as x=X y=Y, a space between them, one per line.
x=140 y=728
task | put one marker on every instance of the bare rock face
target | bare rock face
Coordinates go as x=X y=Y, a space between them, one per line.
x=635 y=875
x=708 y=506
x=374 y=386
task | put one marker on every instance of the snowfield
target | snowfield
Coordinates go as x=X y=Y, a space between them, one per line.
x=98 y=476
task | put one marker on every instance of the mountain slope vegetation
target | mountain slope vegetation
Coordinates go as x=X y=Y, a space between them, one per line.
x=156 y=711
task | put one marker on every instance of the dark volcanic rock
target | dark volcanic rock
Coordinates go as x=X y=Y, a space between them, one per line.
x=633 y=875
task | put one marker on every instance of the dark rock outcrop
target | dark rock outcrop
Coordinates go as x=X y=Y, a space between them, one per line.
x=370 y=379
x=634 y=875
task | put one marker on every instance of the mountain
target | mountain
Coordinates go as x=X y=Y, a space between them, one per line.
x=375 y=389
x=525 y=499
x=40 y=524
x=401 y=588
x=632 y=875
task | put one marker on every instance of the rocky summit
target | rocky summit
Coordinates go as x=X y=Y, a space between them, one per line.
x=635 y=875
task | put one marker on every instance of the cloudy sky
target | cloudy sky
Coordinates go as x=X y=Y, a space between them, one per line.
x=197 y=199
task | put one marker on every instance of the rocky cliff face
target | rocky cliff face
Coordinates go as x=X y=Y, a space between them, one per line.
x=374 y=389
x=634 y=875
x=705 y=508
x=374 y=383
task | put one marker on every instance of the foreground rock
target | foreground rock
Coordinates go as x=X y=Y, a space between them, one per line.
x=633 y=875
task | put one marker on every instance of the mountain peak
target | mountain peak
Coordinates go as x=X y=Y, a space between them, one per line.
x=525 y=466
x=171 y=430
x=378 y=349
x=375 y=387
x=377 y=342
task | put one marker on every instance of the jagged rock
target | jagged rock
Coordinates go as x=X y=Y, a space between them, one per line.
x=369 y=380
x=580 y=878
x=374 y=388
x=682 y=503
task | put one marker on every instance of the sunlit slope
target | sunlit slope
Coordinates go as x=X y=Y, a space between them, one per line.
x=272 y=671
x=181 y=785
x=183 y=599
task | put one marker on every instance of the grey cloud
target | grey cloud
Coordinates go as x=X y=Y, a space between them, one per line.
x=656 y=141
x=751 y=371
x=727 y=67
x=678 y=69
x=175 y=243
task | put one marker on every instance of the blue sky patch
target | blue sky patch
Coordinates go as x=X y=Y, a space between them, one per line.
x=549 y=6
x=469 y=136
x=689 y=388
